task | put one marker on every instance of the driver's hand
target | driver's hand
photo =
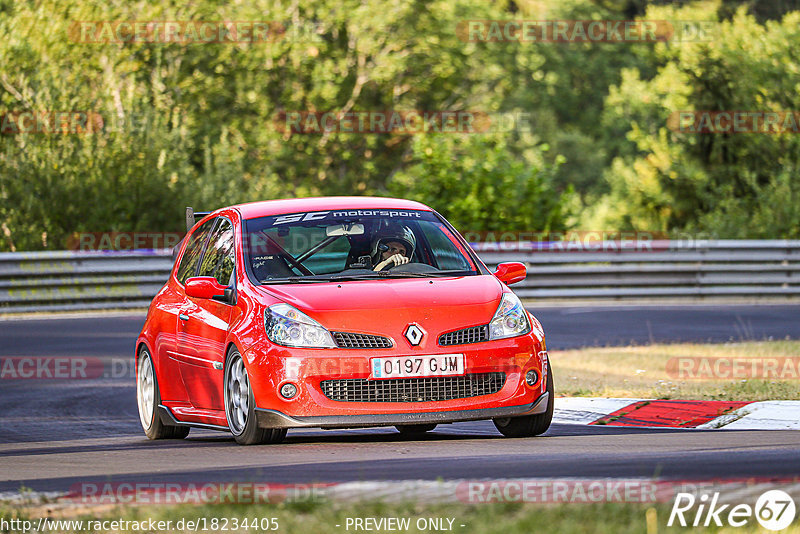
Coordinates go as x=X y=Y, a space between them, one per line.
x=393 y=261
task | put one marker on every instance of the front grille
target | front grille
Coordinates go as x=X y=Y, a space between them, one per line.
x=347 y=340
x=413 y=389
x=474 y=334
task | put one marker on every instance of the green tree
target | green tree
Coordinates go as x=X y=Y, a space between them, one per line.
x=736 y=185
x=479 y=186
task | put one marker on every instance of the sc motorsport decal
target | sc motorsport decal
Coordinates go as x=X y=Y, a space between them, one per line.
x=297 y=217
x=319 y=215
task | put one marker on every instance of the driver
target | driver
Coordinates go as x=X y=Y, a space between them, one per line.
x=393 y=247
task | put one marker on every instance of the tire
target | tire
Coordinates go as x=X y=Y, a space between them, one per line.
x=529 y=425
x=410 y=430
x=148 y=397
x=240 y=406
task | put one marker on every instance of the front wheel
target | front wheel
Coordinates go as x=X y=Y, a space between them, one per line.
x=148 y=397
x=530 y=425
x=240 y=406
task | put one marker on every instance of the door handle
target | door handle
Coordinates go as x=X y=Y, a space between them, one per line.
x=183 y=317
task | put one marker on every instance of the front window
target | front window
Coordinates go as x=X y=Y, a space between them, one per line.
x=341 y=245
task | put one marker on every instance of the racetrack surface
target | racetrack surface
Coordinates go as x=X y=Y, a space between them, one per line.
x=458 y=451
x=56 y=433
x=565 y=327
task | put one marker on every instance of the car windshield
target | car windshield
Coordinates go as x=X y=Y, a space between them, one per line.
x=342 y=245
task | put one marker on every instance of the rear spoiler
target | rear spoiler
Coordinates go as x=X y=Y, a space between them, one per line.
x=192 y=216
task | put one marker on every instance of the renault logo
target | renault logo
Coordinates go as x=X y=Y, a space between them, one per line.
x=414 y=334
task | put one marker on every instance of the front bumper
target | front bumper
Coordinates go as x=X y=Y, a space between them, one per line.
x=275 y=419
x=270 y=366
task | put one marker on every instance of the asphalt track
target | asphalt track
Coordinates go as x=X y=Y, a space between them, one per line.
x=56 y=433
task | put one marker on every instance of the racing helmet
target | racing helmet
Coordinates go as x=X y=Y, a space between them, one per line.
x=399 y=233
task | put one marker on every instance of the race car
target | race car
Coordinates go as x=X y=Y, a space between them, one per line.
x=338 y=312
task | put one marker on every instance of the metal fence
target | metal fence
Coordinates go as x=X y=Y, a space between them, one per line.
x=62 y=281
x=659 y=269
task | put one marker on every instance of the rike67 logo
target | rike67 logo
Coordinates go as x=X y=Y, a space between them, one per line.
x=774 y=510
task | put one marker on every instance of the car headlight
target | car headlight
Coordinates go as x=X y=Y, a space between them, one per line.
x=510 y=319
x=288 y=326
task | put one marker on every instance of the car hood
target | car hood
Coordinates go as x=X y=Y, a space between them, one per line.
x=387 y=307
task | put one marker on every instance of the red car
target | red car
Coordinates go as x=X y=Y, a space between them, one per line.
x=337 y=313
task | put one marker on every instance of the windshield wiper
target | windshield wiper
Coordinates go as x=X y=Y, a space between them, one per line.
x=379 y=275
x=360 y=276
x=375 y=275
x=453 y=272
x=432 y=274
x=295 y=280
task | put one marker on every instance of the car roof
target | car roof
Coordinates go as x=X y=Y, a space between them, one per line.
x=294 y=205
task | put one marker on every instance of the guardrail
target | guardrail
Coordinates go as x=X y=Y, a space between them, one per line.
x=659 y=269
x=63 y=281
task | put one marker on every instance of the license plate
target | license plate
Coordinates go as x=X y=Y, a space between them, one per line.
x=412 y=366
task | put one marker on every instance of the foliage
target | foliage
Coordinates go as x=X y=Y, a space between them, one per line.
x=197 y=124
x=465 y=175
x=736 y=185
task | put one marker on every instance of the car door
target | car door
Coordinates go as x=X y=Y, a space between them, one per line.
x=172 y=300
x=203 y=324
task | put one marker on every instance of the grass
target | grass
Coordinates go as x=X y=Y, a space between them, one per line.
x=501 y=518
x=642 y=372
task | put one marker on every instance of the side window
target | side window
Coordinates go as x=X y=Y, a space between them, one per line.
x=194 y=249
x=219 y=256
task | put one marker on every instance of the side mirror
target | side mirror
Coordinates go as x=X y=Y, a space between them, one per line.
x=511 y=272
x=205 y=287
